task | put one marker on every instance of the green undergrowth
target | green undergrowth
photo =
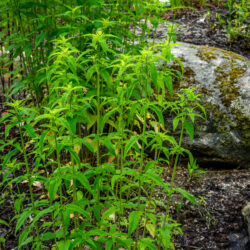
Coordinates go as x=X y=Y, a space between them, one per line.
x=235 y=21
x=85 y=110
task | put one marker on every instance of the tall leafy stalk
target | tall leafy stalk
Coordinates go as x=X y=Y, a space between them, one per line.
x=100 y=102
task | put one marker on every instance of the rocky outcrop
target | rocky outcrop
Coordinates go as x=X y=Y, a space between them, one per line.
x=223 y=80
x=246 y=215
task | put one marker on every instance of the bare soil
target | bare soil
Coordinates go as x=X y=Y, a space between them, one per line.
x=217 y=223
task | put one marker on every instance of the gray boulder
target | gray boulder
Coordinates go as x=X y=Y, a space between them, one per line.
x=246 y=215
x=223 y=80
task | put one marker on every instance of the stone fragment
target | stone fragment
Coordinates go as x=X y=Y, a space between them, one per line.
x=246 y=215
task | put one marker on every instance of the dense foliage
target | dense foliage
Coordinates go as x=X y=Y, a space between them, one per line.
x=87 y=99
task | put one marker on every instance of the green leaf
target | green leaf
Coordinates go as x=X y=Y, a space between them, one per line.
x=17 y=146
x=166 y=52
x=153 y=73
x=63 y=245
x=152 y=218
x=106 y=76
x=88 y=145
x=42 y=136
x=97 y=212
x=106 y=117
x=28 y=49
x=40 y=38
x=42 y=213
x=74 y=155
x=134 y=220
x=130 y=144
x=84 y=181
x=16 y=87
x=166 y=236
x=8 y=157
x=30 y=131
x=155 y=178
x=202 y=109
x=17 y=204
x=67 y=125
x=114 y=179
x=91 y=71
x=53 y=187
x=104 y=45
x=4 y=223
x=170 y=139
x=93 y=119
x=48 y=236
x=158 y=113
x=147 y=243
x=96 y=232
x=151 y=228
x=64 y=97
x=72 y=64
x=23 y=240
x=109 y=244
x=190 y=129
x=41 y=117
x=2 y=240
x=187 y=195
x=110 y=211
x=9 y=127
x=79 y=195
x=23 y=217
x=77 y=209
x=169 y=84
x=175 y=123
x=66 y=218
x=108 y=144
x=4 y=117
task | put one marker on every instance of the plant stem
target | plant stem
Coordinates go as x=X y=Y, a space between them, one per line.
x=98 y=130
x=60 y=188
x=142 y=151
x=173 y=177
x=29 y=175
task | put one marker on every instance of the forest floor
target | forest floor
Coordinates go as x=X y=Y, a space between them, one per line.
x=217 y=222
x=202 y=28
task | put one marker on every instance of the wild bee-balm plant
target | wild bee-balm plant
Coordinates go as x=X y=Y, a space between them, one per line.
x=92 y=130
x=18 y=117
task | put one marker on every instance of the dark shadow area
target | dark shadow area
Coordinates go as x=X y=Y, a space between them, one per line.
x=218 y=165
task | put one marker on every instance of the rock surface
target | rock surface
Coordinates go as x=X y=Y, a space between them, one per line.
x=223 y=80
x=246 y=215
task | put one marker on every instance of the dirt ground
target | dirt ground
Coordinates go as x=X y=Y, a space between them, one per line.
x=202 y=28
x=216 y=223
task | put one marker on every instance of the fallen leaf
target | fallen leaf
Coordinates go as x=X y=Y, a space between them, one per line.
x=77 y=149
x=4 y=113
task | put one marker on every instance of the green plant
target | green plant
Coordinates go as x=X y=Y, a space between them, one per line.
x=205 y=213
x=235 y=23
x=196 y=3
x=93 y=110
x=193 y=169
x=17 y=117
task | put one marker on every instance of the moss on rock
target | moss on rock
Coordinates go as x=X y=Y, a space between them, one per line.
x=206 y=53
